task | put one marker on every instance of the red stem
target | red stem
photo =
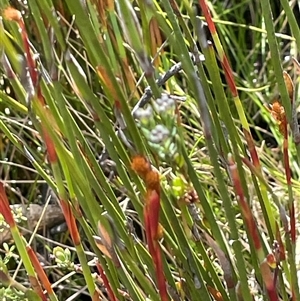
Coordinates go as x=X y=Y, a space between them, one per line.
x=40 y=271
x=110 y=292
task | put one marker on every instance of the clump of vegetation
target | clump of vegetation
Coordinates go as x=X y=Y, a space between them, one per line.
x=167 y=134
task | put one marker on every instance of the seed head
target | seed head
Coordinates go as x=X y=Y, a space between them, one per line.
x=140 y=165
x=12 y=14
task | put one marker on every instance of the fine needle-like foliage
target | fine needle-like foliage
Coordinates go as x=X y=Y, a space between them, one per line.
x=161 y=140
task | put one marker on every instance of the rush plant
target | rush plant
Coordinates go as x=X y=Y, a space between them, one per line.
x=167 y=133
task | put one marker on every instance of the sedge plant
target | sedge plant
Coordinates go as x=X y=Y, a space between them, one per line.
x=168 y=132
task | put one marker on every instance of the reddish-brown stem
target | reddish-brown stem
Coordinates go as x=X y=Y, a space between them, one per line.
x=110 y=292
x=5 y=208
x=71 y=222
x=39 y=270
